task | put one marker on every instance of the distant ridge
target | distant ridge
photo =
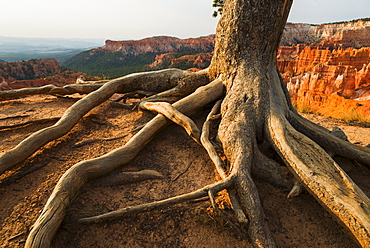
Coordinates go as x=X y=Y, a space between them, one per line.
x=118 y=58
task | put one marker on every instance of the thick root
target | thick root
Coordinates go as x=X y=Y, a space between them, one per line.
x=72 y=115
x=322 y=177
x=330 y=142
x=89 y=80
x=219 y=164
x=269 y=170
x=220 y=168
x=75 y=88
x=258 y=230
x=54 y=211
x=174 y=115
x=27 y=91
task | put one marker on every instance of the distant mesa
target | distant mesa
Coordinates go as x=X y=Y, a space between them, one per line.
x=117 y=58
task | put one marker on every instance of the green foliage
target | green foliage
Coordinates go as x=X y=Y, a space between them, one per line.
x=108 y=64
x=116 y=64
x=219 y=4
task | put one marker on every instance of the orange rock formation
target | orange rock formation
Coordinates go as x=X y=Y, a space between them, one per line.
x=320 y=79
x=159 y=44
x=29 y=70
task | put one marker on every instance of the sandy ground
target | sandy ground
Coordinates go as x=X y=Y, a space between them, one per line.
x=300 y=222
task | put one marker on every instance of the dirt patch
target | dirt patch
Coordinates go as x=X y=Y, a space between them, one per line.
x=300 y=222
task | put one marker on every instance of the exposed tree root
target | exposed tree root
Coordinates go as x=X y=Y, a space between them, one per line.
x=295 y=191
x=159 y=80
x=75 y=88
x=174 y=115
x=181 y=173
x=216 y=187
x=136 y=94
x=89 y=80
x=53 y=213
x=330 y=142
x=269 y=170
x=220 y=168
x=256 y=109
x=331 y=186
x=26 y=91
x=320 y=175
x=219 y=164
x=30 y=122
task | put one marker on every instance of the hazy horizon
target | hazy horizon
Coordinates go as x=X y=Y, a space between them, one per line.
x=122 y=20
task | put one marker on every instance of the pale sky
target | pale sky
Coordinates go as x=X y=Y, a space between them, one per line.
x=136 y=19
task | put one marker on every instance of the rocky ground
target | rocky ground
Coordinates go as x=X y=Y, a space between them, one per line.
x=300 y=222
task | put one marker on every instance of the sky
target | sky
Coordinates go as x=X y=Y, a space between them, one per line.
x=136 y=19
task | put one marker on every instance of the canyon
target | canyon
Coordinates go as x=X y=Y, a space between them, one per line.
x=334 y=82
x=328 y=70
x=326 y=67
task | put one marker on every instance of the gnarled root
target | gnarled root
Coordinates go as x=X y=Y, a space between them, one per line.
x=242 y=138
x=53 y=213
x=321 y=176
x=174 y=115
x=220 y=168
x=329 y=142
x=27 y=91
x=154 y=81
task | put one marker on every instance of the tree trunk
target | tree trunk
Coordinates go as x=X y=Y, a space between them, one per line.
x=247 y=38
x=256 y=107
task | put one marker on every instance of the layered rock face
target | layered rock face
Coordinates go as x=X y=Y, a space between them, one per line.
x=347 y=34
x=29 y=70
x=320 y=79
x=159 y=44
x=342 y=71
x=118 y=58
x=34 y=73
x=328 y=71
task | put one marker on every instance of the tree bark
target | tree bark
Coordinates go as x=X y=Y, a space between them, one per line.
x=247 y=38
x=256 y=107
